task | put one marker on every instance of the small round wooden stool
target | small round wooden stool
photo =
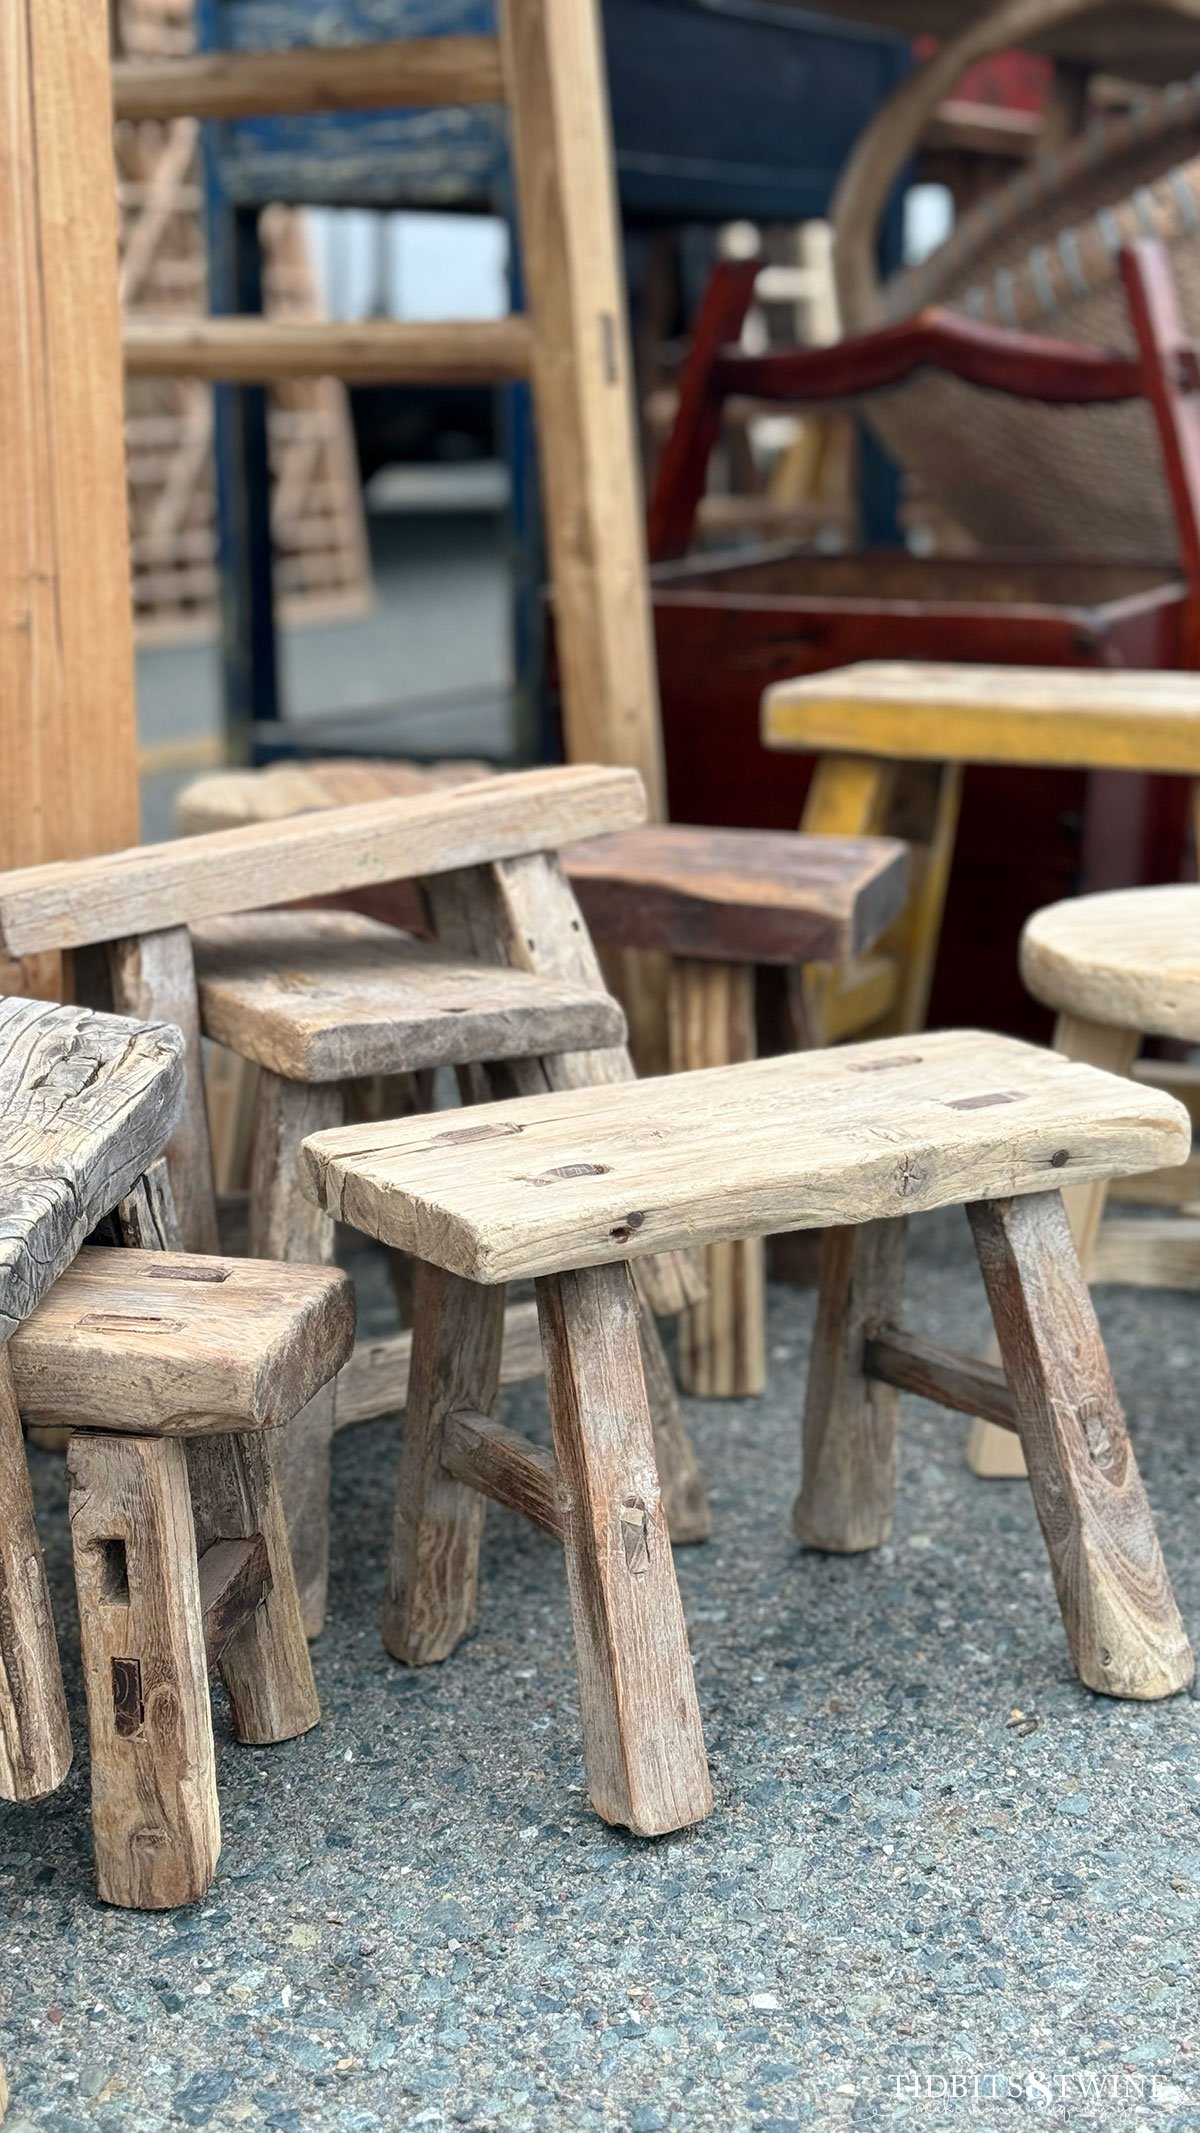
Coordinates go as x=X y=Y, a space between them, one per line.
x=1119 y=968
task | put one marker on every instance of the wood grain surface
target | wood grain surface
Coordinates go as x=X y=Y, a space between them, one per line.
x=1129 y=959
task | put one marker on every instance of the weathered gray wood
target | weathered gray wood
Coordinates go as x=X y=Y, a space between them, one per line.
x=153 y=977
x=35 y=1734
x=235 y=1577
x=146 y=1217
x=330 y=995
x=71 y=902
x=1122 y=1624
x=285 y=1226
x=375 y=1380
x=176 y=1345
x=804 y=1141
x=155 y=1818
x=913 y=1364
x=849 y=1479
x=684 y=1496
x=88 y=1101
x=642 y=1741
x=433 y=1569
x=504 y=1466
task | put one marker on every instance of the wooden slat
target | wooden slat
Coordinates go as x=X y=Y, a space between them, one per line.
x=924 y=1367
x=150 y=887
x=504 y=1466
x=888 y=1128
x=375 y=1380
x=68 y=777
x=234 y=1578
x=265 y=351
x=420 y=73
x=1085 y=718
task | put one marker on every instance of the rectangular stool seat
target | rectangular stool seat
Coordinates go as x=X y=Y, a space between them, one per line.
x=321 y=996
x=544 y=1184
x=173 y=1344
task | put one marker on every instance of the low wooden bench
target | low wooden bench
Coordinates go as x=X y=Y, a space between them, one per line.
x=892 y=739
x=721 y=905
x=1117 y=969
x=570 y=1189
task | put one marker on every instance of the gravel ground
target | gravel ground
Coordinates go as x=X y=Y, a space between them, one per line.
x=943 y=1885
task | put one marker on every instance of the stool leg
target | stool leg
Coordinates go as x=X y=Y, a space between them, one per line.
x=722 y=1341
x=35 y=1735
x=1121 y=1620
x=266 y=1668
x=642 y=1741
x=849 y=1482
x=154 y=1791
x=286 y=1224
x=995 y=1454
x=684 y=1496
x=433 y=1570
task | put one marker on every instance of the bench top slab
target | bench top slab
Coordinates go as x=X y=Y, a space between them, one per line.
x=87 y=1103
x=1129 y=959
x=1083 y=718
x=755 y=896
x=171 y=1344
x=761 y=896
x=327 y=995
x=545 y=1183
x=71 y=903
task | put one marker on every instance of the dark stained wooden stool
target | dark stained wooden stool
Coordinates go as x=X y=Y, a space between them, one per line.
x=569 y=1188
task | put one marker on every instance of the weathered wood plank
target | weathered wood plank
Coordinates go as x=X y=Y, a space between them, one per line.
x=172 y=1344
x=329 y=995
x=155 y=1818
x=417 y=72
x=913 y=1364
x=1122 y=1624
x=849 y=1477
x=267 y=351
x=375 y=1380
x=871 y=1131
x=504 y=1466
x=155 y=886
x=235 y=1576
x=152 y=977
x=88 y=1102
x=35 y=1733
x=642 y=1741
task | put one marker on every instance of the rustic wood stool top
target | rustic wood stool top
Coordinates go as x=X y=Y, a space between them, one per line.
x=1129 y=959
x=327 y=995
x=540 y=1184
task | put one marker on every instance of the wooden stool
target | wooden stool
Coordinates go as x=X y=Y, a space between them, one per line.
x=195 y=1359
x=87 y=1103
x=570 y=1188
x=484 y=854
x=892 y=740
x=1119 y=968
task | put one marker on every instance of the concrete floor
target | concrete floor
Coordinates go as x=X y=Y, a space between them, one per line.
x=934 y=1860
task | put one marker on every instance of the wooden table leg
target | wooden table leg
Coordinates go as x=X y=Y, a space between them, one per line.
x=433 y=1569
x=285 y=1224
x=643 y=1744
x=1122 y=1624
x=996 y=1454
x=849 y=1478
x=35 y=1734
x=266 y=1667
x=154 y=1792
x=723 y=1339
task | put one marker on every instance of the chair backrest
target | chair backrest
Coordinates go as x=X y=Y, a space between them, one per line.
x=87 y=1103
x=153 y=887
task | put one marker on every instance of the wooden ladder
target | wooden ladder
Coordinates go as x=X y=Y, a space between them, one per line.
x=572 y=341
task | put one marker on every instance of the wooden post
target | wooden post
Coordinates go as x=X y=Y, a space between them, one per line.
x=1121 y=1620
x=642 y=1741
x=849 y=1483
x=35 y=1735
x=68 y=757
x=571 y=259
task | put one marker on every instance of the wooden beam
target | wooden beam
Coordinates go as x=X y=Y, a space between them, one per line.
x=375 y=1380
x=264 y=351
x=68 y=775
x=419 y=73
x=504 y=1466
x=235 y=1577
x=962 y=1382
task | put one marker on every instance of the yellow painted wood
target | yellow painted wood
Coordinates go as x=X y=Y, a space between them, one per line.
x=849 y=796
